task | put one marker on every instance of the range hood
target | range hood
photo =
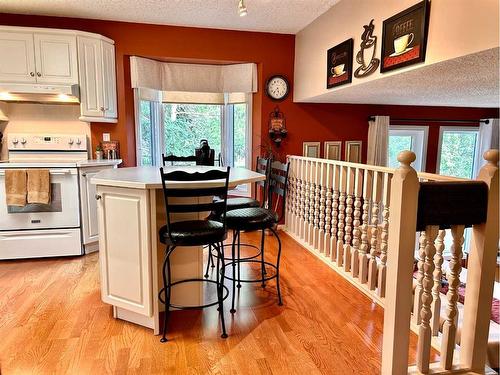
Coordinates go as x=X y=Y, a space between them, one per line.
x=39 y=93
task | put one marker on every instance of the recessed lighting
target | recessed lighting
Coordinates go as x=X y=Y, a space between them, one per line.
x=242 y=9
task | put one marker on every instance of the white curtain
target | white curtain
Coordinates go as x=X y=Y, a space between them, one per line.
x=378 y=141
x=176 y=77
x=488 y=138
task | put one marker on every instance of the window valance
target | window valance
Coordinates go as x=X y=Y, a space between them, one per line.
x=177 y=77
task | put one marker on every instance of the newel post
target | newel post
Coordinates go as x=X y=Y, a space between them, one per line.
x=401 y=247
x=481 y=273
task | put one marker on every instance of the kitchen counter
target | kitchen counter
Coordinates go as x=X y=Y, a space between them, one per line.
x=149 y=177
x=98 y=163
x=131 y=210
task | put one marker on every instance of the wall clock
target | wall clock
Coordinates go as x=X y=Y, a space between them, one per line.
x=277 y=87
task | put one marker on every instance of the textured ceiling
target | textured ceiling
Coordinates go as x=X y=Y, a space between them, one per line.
x=278 y=16
x=467 y=81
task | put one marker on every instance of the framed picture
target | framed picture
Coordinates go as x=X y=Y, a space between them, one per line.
x=311 y=149
x=332 y=150
x=353 y=151
x=339 y=64
x=404 y=37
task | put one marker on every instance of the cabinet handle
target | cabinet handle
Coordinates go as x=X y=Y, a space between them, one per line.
x=32 y=74
x=102 y=109
x=97 y=197
x=38 y=74
x=84 y=174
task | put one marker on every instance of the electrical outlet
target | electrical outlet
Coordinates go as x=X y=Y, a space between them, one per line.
x=106 y=137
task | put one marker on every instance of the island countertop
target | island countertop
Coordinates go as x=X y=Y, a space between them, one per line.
x=149 y=177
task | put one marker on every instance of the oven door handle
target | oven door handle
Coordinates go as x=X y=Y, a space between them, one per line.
x=52 y=172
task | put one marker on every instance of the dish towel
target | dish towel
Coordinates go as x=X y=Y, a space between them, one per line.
x=15 y=187
x=38 y=186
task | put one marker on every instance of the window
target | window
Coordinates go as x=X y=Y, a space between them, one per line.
x=412 y=138
x=458 y=149
x=177 y=127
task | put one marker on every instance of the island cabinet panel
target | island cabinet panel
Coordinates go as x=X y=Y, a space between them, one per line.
x=125 y=248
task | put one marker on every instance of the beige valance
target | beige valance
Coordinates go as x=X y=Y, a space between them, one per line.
x=193 y=78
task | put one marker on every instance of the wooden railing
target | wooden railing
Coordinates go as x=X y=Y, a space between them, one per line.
x=361 y=219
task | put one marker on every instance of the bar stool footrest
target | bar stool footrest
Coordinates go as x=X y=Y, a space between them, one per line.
x=259 y=280
x=197 y=307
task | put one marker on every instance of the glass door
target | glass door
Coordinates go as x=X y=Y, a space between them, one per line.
x=412 y=138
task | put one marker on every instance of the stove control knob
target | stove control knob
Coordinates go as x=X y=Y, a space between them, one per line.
x=78 y=141
x=70 y=141
x=23 y=141
x=15 y=141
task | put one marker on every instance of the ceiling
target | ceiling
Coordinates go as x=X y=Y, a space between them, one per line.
x=277 y=16
x=467 y=81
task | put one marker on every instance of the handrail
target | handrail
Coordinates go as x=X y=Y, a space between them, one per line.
x=377 y=168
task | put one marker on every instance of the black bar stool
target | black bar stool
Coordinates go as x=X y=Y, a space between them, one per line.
x=177 y=159
x=260 y=218
x=194 y=233
x=262 y=166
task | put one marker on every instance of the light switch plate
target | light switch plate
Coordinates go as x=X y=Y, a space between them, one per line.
x=106 y=137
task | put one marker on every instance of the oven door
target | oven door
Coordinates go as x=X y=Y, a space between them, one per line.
x=61 y=212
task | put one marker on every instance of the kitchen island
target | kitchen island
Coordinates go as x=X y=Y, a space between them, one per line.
x=131 y=211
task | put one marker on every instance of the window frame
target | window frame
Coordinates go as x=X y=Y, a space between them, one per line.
x=422 y=136
x=466 y=129
x=227 y=133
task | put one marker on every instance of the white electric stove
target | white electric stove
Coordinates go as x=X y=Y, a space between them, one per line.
x=44 y=230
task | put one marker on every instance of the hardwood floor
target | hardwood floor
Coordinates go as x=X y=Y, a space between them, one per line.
x=53 y=321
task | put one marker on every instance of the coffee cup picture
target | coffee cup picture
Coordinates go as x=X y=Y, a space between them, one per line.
x=338 y=69
x=403 y=42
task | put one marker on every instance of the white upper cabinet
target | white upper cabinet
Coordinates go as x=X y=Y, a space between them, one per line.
x=56 y=58
x=91 y=80
x=97 y=80
x=63 y=57
x=109 y=70
x=17 y=57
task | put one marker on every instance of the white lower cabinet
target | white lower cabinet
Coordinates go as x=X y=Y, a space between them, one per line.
x=125 y=248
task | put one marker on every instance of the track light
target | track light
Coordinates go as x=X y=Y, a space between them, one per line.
x=242 y=9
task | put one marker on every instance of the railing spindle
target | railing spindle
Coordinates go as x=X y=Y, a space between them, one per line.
x=322 y=208
x=317 y=212
x=438 y=275
x=328 y=209
x=356 y=241
x=341 y=218
x=382 y=271
x=453 y=276
x=372 y=265
x=425 y=331
x=349 y=218
x=335 y=212
x=363 y=257
x=312 y=188
x=417 y=298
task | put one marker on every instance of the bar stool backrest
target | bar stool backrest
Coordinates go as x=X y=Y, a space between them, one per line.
x=179 y=160
x=278 y=185
x=218 y=186
x=262 y=167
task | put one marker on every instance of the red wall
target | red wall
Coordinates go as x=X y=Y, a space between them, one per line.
x=273 y=53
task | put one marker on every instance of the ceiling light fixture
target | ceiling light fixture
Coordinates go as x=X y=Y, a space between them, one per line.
x=242 y=9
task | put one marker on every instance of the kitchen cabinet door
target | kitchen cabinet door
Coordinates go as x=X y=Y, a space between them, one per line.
x=90 y=73
x=17 y=57
x=109 y=80
x=125 y=248
x=90 y=224
x=56 y=59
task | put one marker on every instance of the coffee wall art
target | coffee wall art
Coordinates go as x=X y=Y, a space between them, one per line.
x=332 y=150
x=353 y=151
x=404 y=37
x=339 y=64
x=366 y=55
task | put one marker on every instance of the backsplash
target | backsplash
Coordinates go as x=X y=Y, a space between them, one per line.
x=40 y=118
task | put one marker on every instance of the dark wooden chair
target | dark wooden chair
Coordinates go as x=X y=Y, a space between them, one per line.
x=174 y=159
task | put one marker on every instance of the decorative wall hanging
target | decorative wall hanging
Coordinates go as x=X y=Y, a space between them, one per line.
x=404 y=37
x=339 y=64
x=366 y=55
x=311 y=149
x=332 y=150
x=353 y=151
x=277 y=126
